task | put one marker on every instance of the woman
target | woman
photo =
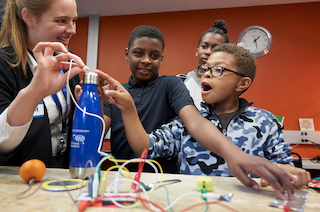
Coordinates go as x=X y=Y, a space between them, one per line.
x=34 y=114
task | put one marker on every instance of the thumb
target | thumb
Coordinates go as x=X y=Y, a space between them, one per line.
x=247 y=181
x=264 y=183
x=253 y=184
x=108 y=96
x=292 y=176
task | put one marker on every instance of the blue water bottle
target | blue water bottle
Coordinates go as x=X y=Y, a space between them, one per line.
x=86 y=129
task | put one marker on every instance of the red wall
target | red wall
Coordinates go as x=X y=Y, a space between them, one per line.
x=287 y=81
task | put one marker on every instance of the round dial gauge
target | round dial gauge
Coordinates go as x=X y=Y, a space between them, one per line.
x=256 y=39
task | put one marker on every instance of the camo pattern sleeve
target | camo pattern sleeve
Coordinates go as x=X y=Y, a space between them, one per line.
x=267 y=137
x=165 y=142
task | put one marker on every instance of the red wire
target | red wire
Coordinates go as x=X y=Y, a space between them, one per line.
x=148 y=201
x=137 y=178
x=203 y=203
x=316 y=185
x=140 y=168
x=137 y=198
x=157 y=206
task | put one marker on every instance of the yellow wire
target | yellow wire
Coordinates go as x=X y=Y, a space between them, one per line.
x=123 y=161
x=104 y=180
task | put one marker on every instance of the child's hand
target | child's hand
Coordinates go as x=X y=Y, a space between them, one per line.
x=114 y=93
x=78 y=91
x=263 y=168
x=299 y=177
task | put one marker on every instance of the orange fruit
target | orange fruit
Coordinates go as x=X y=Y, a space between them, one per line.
x=32 y=168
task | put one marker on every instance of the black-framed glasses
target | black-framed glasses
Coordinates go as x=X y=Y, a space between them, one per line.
x=215 y=71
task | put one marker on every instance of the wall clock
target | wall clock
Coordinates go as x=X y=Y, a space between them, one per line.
x=258 y=40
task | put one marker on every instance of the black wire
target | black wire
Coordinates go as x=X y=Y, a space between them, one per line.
x=315 y=188
x=314 y=143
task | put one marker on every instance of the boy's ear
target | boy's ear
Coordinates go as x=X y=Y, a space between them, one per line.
x=161 y=59
x=197 y=52
x=243 y=84
x=126 y=53
x=28 y=17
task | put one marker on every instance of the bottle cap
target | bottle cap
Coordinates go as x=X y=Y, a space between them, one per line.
x=91 y=78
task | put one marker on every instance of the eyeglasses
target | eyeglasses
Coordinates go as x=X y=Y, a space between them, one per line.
x=216 y=71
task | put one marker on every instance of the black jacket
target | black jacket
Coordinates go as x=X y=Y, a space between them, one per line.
x=37 y=142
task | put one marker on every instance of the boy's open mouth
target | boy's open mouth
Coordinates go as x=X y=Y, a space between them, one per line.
x=206 y=87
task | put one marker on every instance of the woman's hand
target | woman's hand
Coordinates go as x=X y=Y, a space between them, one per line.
x=46 y=81
x=47 y=78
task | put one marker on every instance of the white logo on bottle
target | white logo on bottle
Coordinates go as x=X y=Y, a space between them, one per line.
x=79 y=138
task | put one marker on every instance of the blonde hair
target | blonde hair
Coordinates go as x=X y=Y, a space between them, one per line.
x=14 y=29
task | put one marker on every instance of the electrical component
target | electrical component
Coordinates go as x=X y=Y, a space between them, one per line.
x=204 y=182
x=203 y=192
x=95 y=185
x=226 y=197
x=90 y=185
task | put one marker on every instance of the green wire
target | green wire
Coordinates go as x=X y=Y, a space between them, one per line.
x=207 y=208
x=205 y=199
x=167 y=196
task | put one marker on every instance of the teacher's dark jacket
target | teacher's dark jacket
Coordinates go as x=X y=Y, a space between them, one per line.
x=37 y=142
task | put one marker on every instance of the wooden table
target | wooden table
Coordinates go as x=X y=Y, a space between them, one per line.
x=244 y=199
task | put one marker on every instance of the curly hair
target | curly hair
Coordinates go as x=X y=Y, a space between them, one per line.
x=244 y=60
x=146 y=31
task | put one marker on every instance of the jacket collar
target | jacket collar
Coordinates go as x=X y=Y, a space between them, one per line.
x=243 y=105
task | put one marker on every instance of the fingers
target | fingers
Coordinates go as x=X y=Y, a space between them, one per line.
x=68 y=56
x=299 y=177
x=244 y=179
x=272 y=174
x=264 y=183
x=77 y=91
x=107 y=79
x=292 y=177
x=45 y=49
x=107 y=94
x=279 y=181
x=42 y=49
x=302 y=177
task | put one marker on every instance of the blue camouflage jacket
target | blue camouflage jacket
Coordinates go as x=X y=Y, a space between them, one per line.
x=255 y=131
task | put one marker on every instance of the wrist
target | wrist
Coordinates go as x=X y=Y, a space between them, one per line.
x=34 y=94
x=128 y=108
x=229 y=150
x=34 y=98
x=26 y=100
